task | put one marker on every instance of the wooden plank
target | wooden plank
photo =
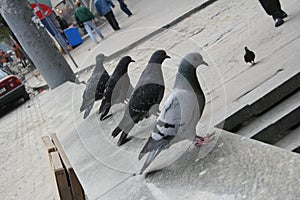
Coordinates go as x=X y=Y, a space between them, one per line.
x=60 y=176
x=48 y=143
x=49 y=148
x=76 y=188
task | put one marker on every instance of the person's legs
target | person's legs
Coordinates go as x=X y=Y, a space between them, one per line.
x=273 y=8
x=279 y=13
x=89 y=31
x=93 y=25
x=270 y=6
x=23 y=62
x=125 y=8
x=112 y=20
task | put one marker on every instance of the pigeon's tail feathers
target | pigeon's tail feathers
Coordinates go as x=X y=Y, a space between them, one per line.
x=104 y=105
x=104 y=109
x=87 y=111
x=126 y=128
x=126 y=124
x=98 y=96
x=82 y=107
x=122 y=138
x=116 y=131
x=84 y=104
x=152 y=145
x=151 y=156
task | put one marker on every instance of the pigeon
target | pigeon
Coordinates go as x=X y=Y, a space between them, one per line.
x=180 y=113
x=118 y=87
x=249 y=56
x=146 y=97
x=95 y=86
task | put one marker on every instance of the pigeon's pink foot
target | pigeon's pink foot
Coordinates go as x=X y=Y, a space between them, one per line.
x=157 y=113
x=199 y=140
x=126 y=101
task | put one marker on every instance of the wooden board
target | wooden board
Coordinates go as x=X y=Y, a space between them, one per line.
x=60 y=175
x=48 y=143
x=76 y=188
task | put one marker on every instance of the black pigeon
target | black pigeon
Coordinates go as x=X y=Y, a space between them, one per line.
x=249 y=56
x=118 y=87
x=95 y=86
x=146 y=96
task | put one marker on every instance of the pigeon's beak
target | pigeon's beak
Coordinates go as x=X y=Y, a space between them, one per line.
x=167 y=57
x=205 y=63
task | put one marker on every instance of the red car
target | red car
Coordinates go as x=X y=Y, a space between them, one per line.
x=11 y=89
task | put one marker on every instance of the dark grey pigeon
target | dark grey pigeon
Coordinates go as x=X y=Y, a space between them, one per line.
x=118 y=87
x=249 y=56
x=95 y=86
x=181 y=111
x=146 y=96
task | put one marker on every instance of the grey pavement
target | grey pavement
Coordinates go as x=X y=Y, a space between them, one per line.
x=148 y=17
x=230 y=167
x=25 y=172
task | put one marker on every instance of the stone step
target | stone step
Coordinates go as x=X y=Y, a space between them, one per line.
x=291 y=141
x=271 y=126
x=262 y=98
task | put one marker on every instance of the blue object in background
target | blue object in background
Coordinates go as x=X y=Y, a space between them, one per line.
x=73 y=36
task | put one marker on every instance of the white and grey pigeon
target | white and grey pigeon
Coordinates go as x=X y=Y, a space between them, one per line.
x=181 y=111
x=145 y=98
x=118 y=87
x=95 y=86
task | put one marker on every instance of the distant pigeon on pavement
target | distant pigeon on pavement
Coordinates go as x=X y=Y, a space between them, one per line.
x=181 y=111
x=95 y=86
x=146 y=96
x=249 y=56
x=118 y=87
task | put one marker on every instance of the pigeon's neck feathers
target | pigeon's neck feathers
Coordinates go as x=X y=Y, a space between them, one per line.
x=247 y=50
x=156 y=60
x=99 y=68
x=151 y=74
x=187 y=74
x=153 y=70
x=121 y=69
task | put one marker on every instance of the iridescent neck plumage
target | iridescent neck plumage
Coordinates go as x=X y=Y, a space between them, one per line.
x=187 y=72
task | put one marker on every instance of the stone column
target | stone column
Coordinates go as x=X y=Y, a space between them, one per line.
x=36 y=43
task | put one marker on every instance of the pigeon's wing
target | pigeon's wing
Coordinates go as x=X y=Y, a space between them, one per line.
x=90 y=88
x=249 y=56
x=88 y=96
x=177 y=111
x=101 y=85
x=252 y=55
x=143 y=98
x=246 y=58
x=166 y=126
x=110 y=88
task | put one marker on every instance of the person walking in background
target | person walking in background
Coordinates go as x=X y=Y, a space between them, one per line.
x=84 y=16
x=63 y=24
x=273 y=8
x=19 y=54
x=124 y=7
x=103 y=8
